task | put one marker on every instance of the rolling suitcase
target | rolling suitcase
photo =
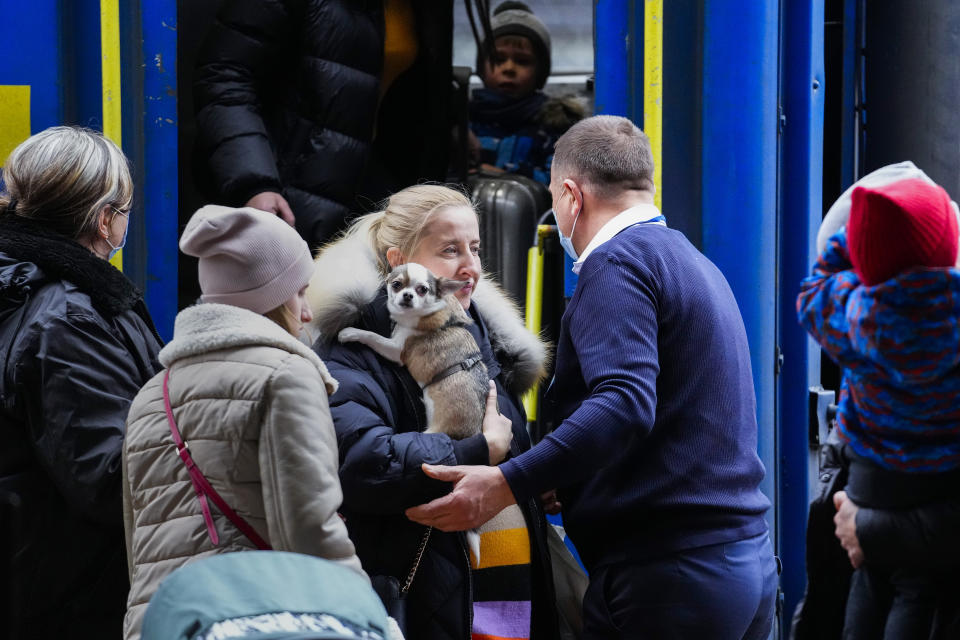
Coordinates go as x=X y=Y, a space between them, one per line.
x=510 y=207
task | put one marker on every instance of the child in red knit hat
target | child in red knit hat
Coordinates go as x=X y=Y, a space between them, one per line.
x=884 y=302
x=900 y=226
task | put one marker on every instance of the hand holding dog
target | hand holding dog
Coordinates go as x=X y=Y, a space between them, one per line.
x=479 y=493
x=497 y=429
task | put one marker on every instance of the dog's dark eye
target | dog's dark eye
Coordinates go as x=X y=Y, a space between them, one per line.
x=396 y=285
x=421 y=290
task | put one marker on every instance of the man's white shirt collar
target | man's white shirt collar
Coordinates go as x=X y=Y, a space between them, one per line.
x=628 y=218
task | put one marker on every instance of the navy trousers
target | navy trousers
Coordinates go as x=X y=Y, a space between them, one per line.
x=723 y=592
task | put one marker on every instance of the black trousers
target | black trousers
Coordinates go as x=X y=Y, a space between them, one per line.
x=724 y=591
x=895 y=604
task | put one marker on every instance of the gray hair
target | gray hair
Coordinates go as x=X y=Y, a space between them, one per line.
x=63 y=177
x=607 y=152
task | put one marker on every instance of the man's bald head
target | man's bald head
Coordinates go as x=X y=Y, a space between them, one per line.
x=608 y=153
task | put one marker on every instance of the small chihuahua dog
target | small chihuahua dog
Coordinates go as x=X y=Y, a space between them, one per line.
x=431 y=340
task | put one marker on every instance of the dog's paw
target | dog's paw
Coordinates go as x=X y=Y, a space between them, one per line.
x=349 y=334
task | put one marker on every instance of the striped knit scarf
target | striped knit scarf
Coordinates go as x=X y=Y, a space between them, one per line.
x=501 y=580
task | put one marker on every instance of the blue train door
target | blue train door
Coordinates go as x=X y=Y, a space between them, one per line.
x=732 y=99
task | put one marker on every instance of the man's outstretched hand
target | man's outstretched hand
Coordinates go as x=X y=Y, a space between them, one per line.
x=479 y=493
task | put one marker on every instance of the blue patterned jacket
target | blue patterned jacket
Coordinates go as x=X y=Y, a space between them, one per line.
x=898 y=343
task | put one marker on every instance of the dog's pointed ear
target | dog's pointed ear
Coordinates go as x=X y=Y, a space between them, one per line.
x=448 y=286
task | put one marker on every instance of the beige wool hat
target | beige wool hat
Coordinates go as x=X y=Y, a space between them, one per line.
x=248 y=258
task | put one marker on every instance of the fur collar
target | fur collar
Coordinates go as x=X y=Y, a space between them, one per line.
x=347 y=280
x=61 y=258
x=208 y=327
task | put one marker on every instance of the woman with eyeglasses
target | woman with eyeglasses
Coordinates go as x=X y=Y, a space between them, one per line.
x=77 y=343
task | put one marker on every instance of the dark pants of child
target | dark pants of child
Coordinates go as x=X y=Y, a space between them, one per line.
x=901 y=604
x=723 y=591
x=904 y=591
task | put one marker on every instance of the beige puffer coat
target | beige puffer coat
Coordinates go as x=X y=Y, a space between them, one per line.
x=250 y=402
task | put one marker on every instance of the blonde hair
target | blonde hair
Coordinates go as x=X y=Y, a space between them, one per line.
x=63 y=177
x=282 y=316
x=403 y=220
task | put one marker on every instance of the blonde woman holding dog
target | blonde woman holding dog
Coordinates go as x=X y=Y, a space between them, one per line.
x=380 y=421
x=232 y=447
x=77 y=343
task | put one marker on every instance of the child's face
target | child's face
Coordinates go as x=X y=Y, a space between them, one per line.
x=514 y=67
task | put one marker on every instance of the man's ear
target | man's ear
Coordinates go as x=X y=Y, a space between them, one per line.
x=395 y=257
x=447 y=286
x=576 y=190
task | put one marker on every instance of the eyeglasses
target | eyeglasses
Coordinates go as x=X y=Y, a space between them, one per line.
x=125 y=214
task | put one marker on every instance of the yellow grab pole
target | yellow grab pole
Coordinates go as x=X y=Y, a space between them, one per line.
x=14 y=118
x=110 y=72
x=533 y=310
x=653 y=86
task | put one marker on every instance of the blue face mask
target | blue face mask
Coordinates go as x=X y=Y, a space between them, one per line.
x=567 y=241
x=123 y=241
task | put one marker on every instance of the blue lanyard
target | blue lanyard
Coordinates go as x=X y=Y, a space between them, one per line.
x=659 y=218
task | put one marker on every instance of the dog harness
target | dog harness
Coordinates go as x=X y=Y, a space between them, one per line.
x=471 y=361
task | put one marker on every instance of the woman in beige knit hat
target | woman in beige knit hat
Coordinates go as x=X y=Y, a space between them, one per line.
x=248 y=400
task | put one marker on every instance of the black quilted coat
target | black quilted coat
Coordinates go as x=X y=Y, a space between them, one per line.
x=379 y=417
x=287 y=93
x=77 y=344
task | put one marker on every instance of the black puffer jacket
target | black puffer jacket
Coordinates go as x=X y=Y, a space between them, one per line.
x=77 y=344
x=379 y=416
x=287 y=93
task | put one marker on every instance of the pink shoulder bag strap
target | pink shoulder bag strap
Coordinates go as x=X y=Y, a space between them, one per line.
x=203 y=487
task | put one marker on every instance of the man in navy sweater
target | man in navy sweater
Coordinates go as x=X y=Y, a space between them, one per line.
x=655 y=461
